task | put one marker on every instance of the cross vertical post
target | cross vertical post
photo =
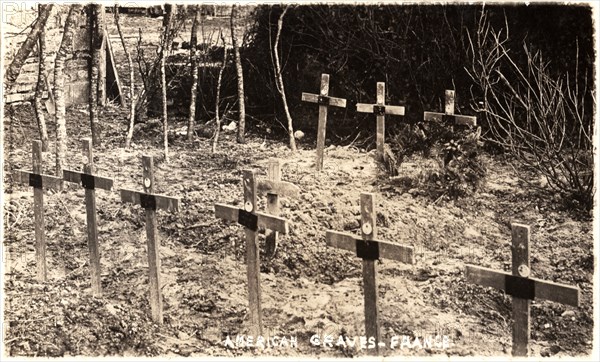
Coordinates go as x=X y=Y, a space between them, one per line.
x=90 y=211
x=324 y=101
x=90 y=182
x=369 y=249
x=38 y=182
x=369 y=232
x=252 y=256
x=252 y=220
x=271 y=236
x=520 y=306
x=38 y=214
x=152 y=202
x=156 y=303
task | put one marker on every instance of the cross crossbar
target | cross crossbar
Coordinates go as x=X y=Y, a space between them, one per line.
x=349 y=242
x=264 y=221
x=542 y=289
x=162 y=202
x=370 y=108
x=281 y=188
x=97 y=182
x=324 y=100
x=38 y=180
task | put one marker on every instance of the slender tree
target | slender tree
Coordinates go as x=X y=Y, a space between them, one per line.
x=166 y=39
x=12 y=73
x=240 y=74
x=94 y=70
x=65 y=49
x=194 y=61
x=41 y=82
x=279 y=82
x=218 y=98
x=131 y=80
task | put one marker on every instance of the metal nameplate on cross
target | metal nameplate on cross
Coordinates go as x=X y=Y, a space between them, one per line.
x=380 y=109
x=521 y=287
x=90 y=182
x=324 y=101
x=448 y=116
x=369 y=249
x=152 y=202
x=274 y=188
x=39 y=182
x=252 y=222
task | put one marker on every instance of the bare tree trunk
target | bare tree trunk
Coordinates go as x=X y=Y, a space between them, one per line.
x=165 y=46
x=218 y=98
x=94 y=71
x=131 y=81
x=194 y=59
x=65 y=49
x=12 y=73
x=41 y=82
x=279 y=82
x=240 y=75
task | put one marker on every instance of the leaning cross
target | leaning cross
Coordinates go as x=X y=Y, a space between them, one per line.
x=324 y=100
x=369 y=249
x=90 y=183
x=448 y=115
x=39 y=182
x=274 y=188
x=152 y=202
x=252 y=221
x=380 y=109
x=522 y=288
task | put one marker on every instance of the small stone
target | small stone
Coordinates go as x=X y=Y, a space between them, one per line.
x=568 y=313
x=182 y=335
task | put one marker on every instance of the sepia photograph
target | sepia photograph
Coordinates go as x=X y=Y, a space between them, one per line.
x=299 y=180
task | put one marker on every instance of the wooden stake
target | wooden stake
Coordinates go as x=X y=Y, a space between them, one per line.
x=271 y=236
x=90 y=183
x=521 y=287
x=369 y=232
x=151 y=202
x=38 y=181
x=274 y=188
x=369 y=250
x=324 y=101
x=380 y=109
x=252 y=221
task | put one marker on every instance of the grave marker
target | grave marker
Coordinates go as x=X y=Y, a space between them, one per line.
x=152 y=202
x=90 y=183
x=252 y=221
x=380 y=109
x=369 y=249
x=521 y=287
x=448 y=116
x=274 y=188
x=39 y=182
x=324 y=101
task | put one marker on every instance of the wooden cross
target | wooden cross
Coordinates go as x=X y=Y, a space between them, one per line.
x=448 y=115
x=90 y=183
x=274 y=188
x=152 y=202
x=252 y=221
x=324 y=101
x=369 y=249
x=39 y=182
x=521 y=287
x=380 y=109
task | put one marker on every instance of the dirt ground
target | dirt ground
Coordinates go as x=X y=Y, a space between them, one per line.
x=307 y=287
